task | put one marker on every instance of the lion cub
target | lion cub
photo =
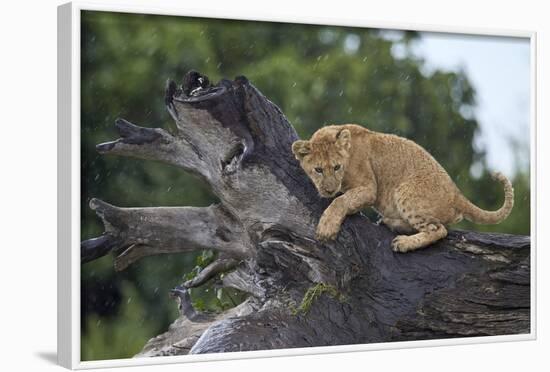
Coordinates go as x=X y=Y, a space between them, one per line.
x=395 y=176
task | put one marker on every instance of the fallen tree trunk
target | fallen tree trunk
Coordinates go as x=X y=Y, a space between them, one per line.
x=302 y=292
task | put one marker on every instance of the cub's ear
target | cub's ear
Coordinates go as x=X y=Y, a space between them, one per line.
x=343 y=139
x=301 y=149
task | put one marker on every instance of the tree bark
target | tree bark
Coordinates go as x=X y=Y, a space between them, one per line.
x=303 y=292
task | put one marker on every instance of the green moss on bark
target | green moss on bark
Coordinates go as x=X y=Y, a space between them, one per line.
x=313 y=293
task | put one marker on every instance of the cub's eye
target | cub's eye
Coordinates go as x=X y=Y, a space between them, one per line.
x=319 y=170
x=337 y=167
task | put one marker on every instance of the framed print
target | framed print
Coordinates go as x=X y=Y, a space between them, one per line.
x=235 y=187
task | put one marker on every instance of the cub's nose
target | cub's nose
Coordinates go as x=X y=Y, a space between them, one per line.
x=330 y=191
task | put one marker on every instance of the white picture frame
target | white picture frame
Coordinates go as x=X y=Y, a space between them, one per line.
x=69 y=186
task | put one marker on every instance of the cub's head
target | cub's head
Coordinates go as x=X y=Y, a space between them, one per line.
x=325 y=159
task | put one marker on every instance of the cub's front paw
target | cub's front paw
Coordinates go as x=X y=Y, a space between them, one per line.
x=327 y=230
x=403 y=243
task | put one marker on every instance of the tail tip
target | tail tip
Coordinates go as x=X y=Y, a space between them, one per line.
x=498 y=176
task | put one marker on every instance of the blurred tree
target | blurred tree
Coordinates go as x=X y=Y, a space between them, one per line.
x=316 y=74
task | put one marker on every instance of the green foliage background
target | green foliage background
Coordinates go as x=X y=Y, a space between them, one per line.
x=316 y=74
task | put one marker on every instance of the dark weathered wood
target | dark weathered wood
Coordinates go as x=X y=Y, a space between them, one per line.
x=229 y=134
x=94 y=248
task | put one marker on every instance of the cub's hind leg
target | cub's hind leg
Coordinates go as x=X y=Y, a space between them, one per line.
x=420 y=207
x=428 y=232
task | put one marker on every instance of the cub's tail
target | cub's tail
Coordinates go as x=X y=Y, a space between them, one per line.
x=477 y=215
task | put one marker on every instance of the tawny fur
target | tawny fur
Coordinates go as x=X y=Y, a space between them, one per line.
x=395 y=176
